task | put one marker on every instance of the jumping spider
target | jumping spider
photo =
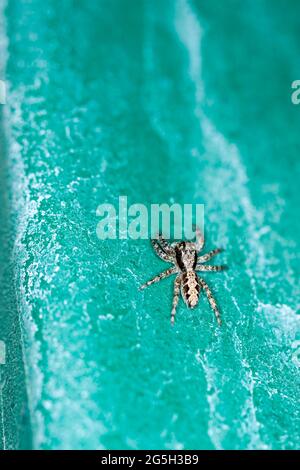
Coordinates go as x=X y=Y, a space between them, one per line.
x=184 y=256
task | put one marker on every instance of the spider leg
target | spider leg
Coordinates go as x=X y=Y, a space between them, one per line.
x=211 y=300
x=206 y=267
x=199 y=238
x=177 y=284
x=163 y=249
x=209 y=255
x=166 y=246
x=159 y=277
x=159 y=251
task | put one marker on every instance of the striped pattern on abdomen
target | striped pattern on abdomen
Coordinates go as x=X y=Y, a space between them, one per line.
x=190 y=288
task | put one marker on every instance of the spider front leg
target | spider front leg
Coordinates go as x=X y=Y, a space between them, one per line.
x=211 y=300
x=167 y=247
x=205 y=267
x=162 y=248
x=159 y=277
x=199 y=238
x=209 y=255
x=177 y=284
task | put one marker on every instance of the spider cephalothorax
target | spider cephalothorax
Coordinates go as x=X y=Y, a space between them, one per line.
x=184 y=256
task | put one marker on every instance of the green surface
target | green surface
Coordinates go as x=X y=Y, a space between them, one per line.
x=185 y=101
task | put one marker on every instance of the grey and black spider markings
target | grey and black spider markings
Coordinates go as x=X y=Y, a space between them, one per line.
x=187 y=262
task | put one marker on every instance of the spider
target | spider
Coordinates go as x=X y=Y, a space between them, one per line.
x=184 y=256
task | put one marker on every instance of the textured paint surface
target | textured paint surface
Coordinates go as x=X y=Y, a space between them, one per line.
x=185 y=101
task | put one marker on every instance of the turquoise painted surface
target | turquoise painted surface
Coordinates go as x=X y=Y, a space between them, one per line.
x=160 y=101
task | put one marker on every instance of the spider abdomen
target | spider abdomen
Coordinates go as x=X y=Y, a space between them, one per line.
x=190 y=288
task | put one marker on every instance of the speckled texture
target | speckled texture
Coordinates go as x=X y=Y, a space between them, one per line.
x=184 y=101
